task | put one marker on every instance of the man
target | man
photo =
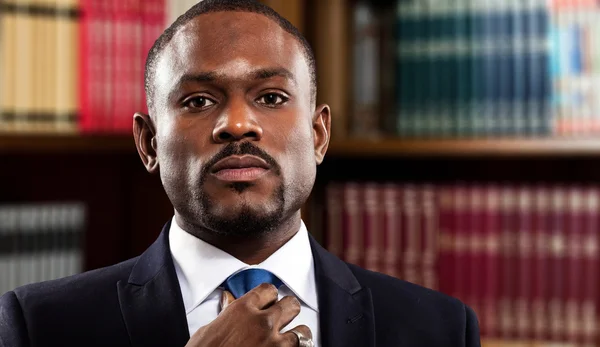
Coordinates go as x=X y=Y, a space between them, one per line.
x=236 y=136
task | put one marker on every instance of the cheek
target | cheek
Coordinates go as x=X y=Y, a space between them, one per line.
x=172 y=158
x=299 y=150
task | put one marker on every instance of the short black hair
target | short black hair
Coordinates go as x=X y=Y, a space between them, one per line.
x=208 y=6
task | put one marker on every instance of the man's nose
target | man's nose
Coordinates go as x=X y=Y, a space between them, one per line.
x=238 y=122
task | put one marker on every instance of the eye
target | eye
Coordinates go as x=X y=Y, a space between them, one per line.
x=272 y=99
x=198 y=102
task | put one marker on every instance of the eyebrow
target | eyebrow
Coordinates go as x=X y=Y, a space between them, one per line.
x=211 y=76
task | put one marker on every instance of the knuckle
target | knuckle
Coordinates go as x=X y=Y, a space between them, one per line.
x=292 y=303
x=266 y=322
x=269 y=289
x=305 y=330
x=278 y=308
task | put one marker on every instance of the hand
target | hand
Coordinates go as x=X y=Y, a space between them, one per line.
x=253 y=320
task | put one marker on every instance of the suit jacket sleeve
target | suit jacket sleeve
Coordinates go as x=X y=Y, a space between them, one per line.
x=472 y=337
x=13 y=330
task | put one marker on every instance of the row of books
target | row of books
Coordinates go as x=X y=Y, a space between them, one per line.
x=40 y=241
x=38 y=65
x=523 y=256
x=71 y=66
x=476 y=68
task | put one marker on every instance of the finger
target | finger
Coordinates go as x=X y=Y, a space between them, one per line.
x=262 y=296
x=284 y=311
x=292 y=338
x=226 y=299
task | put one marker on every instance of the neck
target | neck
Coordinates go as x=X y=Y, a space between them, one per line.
x=250 y=250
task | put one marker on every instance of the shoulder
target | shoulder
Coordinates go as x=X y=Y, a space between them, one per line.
x=45 y=311
x=407 y=292
x=417 y=308
x=68 y=292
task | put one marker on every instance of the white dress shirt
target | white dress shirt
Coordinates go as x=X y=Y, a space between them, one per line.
x=201 y=268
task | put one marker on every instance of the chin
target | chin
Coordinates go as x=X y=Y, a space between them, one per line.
x=246 y=215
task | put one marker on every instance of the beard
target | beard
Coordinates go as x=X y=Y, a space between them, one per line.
x=249 y=222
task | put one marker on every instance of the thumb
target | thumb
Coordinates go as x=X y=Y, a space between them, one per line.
x=226 y=299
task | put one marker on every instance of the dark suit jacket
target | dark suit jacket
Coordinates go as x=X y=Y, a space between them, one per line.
x=138 y=303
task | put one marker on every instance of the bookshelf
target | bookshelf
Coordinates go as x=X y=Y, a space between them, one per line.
x=500 y=147
x=72 y=143
x=127 y=206
x=549 y=148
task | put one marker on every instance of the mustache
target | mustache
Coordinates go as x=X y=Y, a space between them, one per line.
x=244 y=148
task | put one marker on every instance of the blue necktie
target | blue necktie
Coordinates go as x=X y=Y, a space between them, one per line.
x=246 y=280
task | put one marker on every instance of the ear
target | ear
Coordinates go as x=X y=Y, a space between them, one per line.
x=321 y=131
x=145 y=140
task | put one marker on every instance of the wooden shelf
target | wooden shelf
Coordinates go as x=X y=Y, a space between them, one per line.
x=123 y=143
x=66 y=143
x=540 y=147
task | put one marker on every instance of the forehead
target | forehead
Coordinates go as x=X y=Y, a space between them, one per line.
x=230 y=44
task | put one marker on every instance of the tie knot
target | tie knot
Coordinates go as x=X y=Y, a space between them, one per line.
x=246 y=280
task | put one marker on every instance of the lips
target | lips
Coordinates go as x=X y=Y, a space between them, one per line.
x=240 y=169
x=240 y=162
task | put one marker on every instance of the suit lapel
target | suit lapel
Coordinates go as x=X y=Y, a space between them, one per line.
x=151 y=301
x=345 y=308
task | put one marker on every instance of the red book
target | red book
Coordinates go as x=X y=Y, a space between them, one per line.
x=411 y=234
x=334 y=220
x=524 y=261
x=461 y=242
x=589 y=278
x=392 y=237
x=475 y=250
x=541 y=226
x=154 y=18
x=96 y=64
x=556 y=269
x=490 y=262
x=372 y=225
x=429 y=235
x=352 y=224
x=507 y=294
x=126 y=44
x=573 y=263
x=447 y=234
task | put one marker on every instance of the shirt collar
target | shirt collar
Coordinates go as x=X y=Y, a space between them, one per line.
x=202 y=267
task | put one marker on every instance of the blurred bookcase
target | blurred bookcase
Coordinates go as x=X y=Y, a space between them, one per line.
x=464 y=156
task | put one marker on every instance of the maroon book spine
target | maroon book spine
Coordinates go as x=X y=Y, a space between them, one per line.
x=392 y=238
x=461 y=241
x=556 y=269
x=524 y=263
x=590 y=266
x=335 y=220
x=475 y=251
x=429 y=236
x=352 y=224
x=372 y=225
x=491 y=239
x=507 y=265
x=540 y=227
x=411 y=236
x=447 y=254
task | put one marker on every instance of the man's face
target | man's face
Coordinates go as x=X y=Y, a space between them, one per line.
x=237 y=138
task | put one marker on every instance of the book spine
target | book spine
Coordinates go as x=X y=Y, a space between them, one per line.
x=352 y=224
x=447 y=237
x=335 y=220
x=430 y=234
x=372 y=225
x=411 y=234
x=392 y=237
x=540 y=228
x=490 y=267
